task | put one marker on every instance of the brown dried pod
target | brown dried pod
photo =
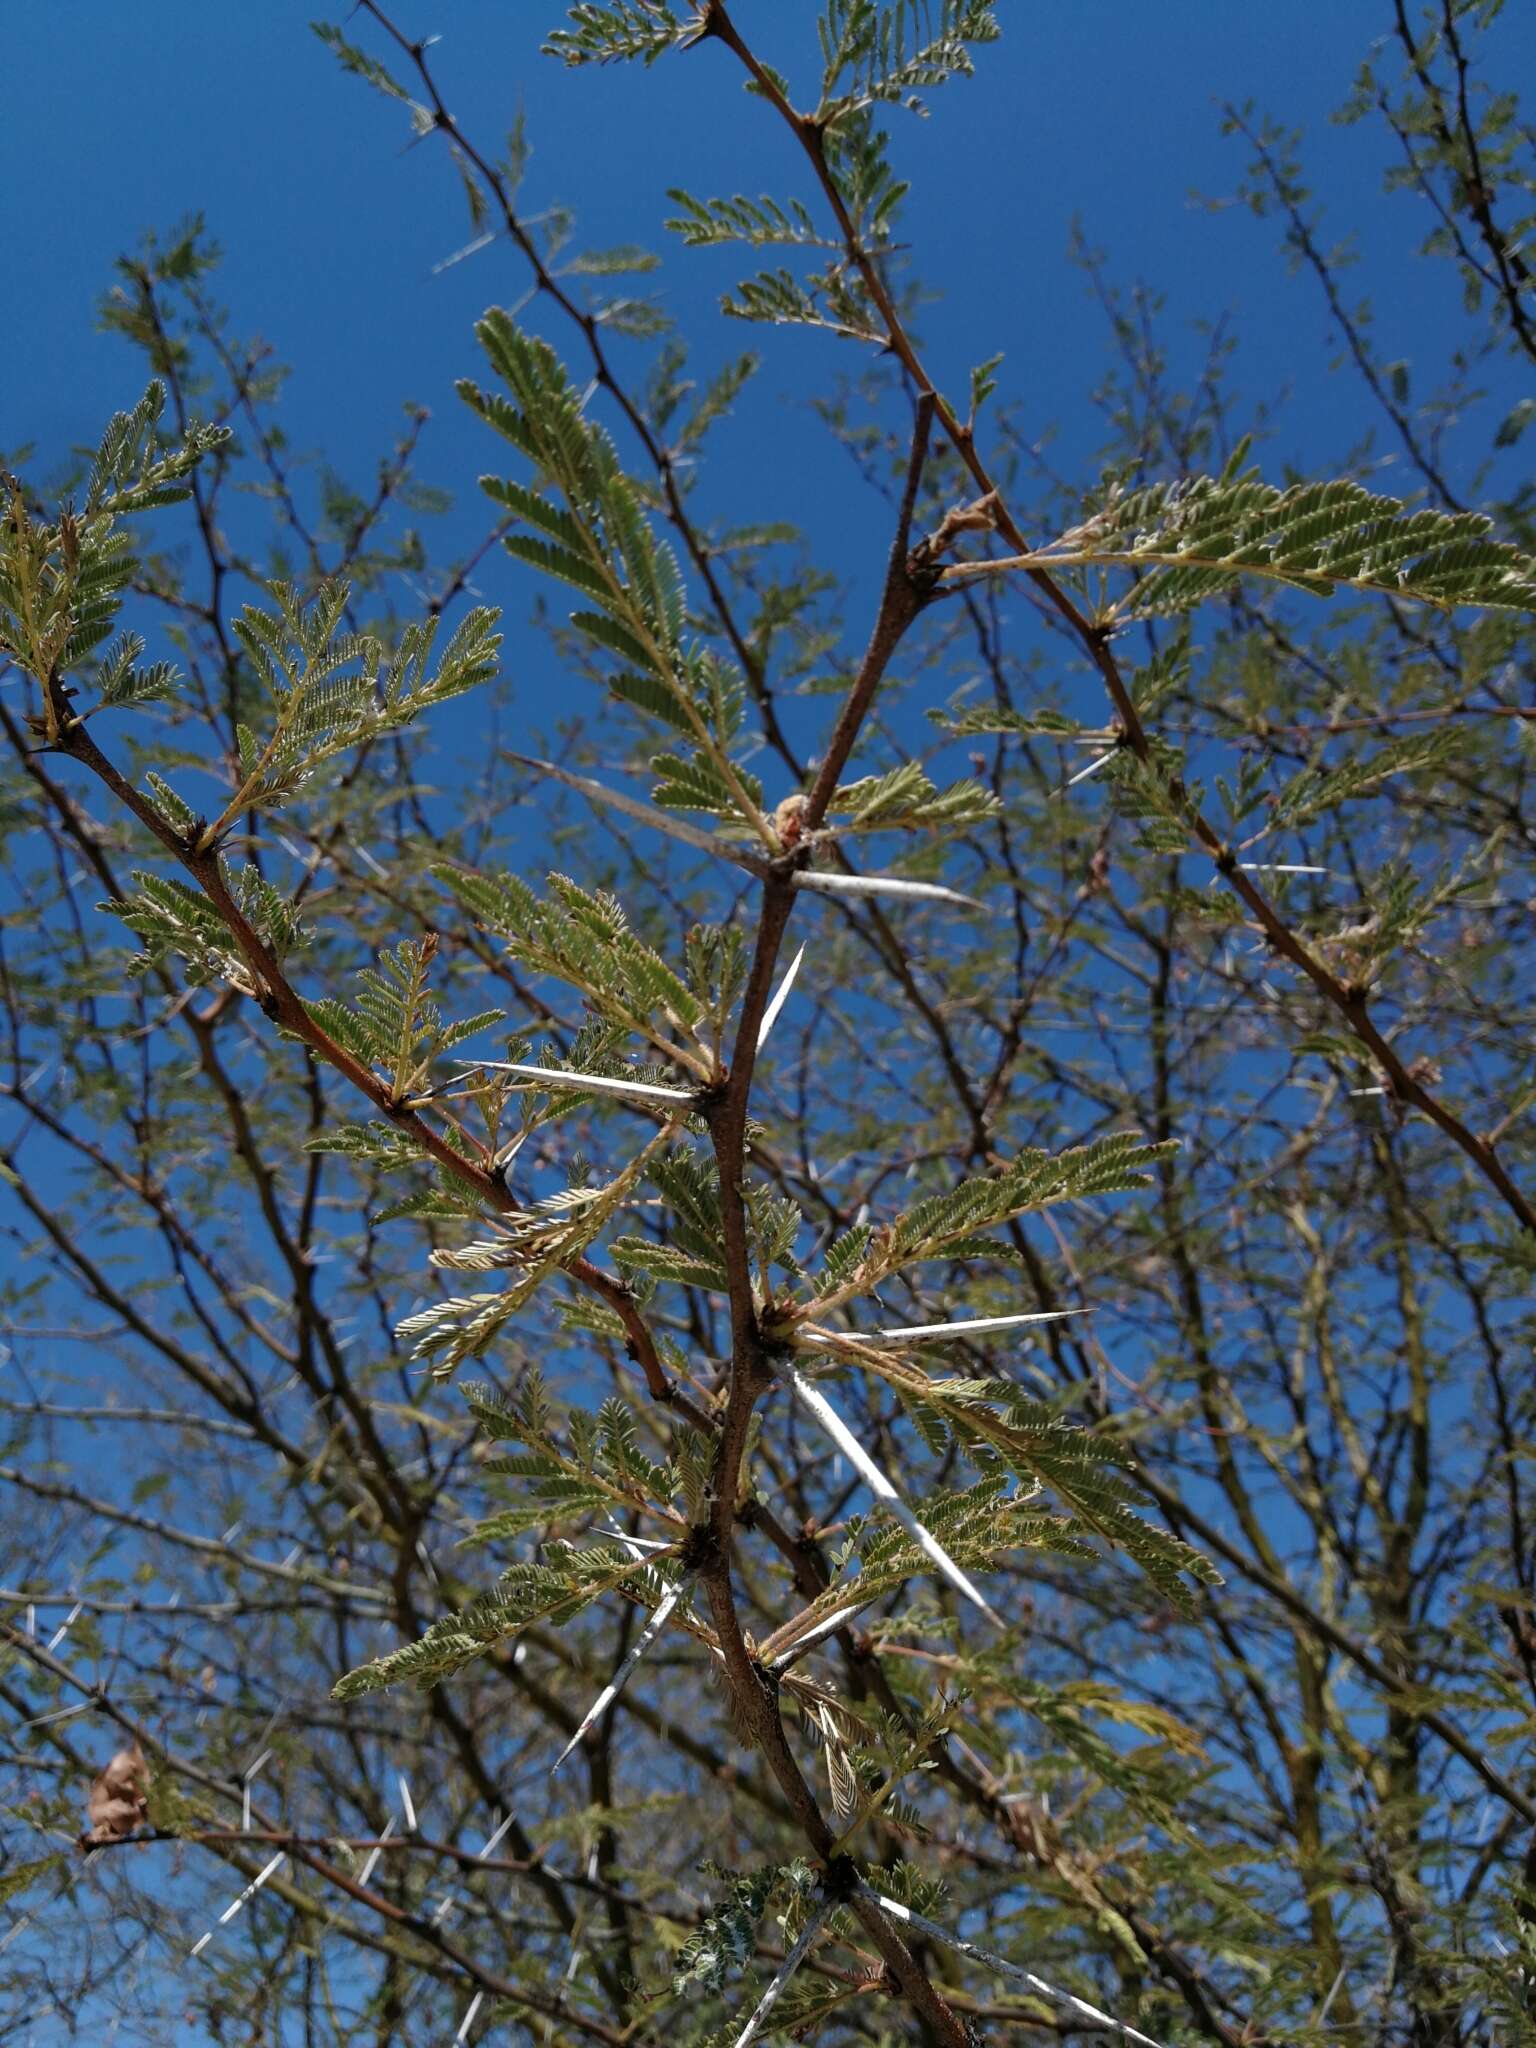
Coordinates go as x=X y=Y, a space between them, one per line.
x=119 y=1800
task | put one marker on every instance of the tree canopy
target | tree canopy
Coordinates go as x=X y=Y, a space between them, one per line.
x=832 y=1336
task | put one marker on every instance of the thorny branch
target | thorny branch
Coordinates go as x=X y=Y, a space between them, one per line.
x=1350 y=1003
x=1378 y=1656
x=905 y=589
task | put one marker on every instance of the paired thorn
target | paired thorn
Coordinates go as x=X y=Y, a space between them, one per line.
x=828 y=1625
x=820 y=1409
x=251 y=1772
x=709 y=842
x=65 y=1625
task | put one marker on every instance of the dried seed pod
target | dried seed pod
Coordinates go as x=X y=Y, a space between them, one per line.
x=119 y=1797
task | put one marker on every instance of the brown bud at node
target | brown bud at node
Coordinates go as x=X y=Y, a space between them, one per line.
x=787 y=819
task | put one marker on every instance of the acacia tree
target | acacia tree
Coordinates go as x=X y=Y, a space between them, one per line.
x=966 y=1468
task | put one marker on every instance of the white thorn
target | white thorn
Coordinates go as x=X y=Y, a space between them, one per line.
x=1001 y=1964
x=65 y=1626
x=1333 y=1991
x=493 y=1841
x=252 y=1888
x=968 y=1327
x=621 y=1677
x=469 y=2018
x=369 y=861
x=646 y=814
x=637 y=1546
x=20 y=1926
x=509 y=1151
x=604 y=1084
x=1083 y=774
x=469 y=249
x=235 y=1904
x=783 y=1973
x=407 y=1804
x=771 y=1014
x=377 y=1851
x=817 y=1405
x=827 y=1626
x=881 y=885
x=59 y=1714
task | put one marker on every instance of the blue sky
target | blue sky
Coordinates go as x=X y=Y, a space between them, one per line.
x=125 y=118
x=121 y=118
